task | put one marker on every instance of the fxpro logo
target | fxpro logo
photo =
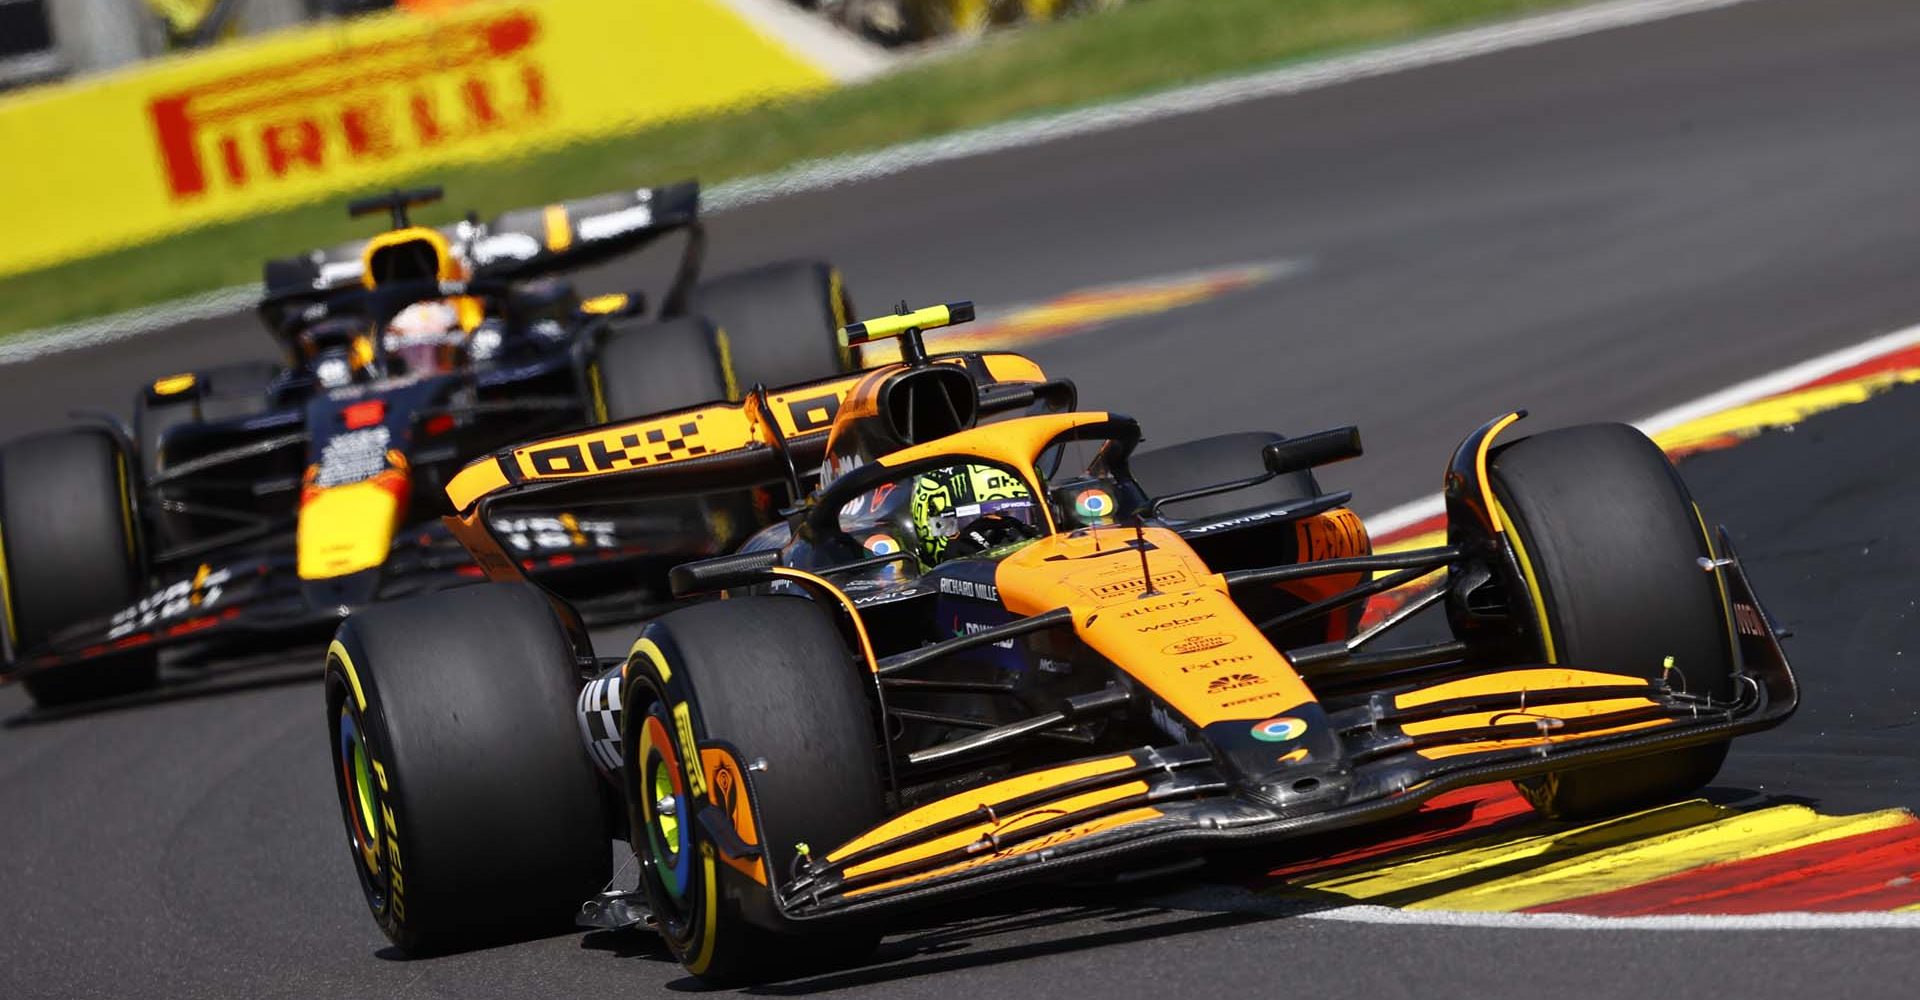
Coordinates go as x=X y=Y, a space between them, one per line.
x=363 y=102
x=1216 y=663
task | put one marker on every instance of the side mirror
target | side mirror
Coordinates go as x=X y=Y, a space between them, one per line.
x=721 y=573
x=1058 y=395
x=1324 y=448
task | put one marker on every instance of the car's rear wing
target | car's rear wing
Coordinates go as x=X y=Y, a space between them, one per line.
x=519 y=243
x=772 y=436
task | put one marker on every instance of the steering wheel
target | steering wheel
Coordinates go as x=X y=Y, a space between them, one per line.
x=988 y=532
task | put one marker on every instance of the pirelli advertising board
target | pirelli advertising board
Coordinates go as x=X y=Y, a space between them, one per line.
x=307 y=114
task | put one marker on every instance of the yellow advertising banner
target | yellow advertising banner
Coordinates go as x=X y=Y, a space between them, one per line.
x=263 y=123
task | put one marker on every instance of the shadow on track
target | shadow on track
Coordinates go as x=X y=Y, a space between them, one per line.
x=278 y=668
x=965 y=939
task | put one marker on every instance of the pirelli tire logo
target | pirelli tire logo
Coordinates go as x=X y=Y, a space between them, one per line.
x=360 y=103
x=616 y=450
x=689 y=750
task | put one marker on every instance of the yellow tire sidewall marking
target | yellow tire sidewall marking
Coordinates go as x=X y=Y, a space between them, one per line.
x=338 y=652
x=126 y=502
x=702 y=958
x=1505 y=524
x=6 y=593
x=709 y=912
x=647 y=648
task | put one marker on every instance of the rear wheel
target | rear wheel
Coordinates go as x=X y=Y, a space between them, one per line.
x=645 y=368
x=771 y=678
x=1609 y=540
x=641 y=368
x=473 y=814
x=70 y=552
x=779 y=323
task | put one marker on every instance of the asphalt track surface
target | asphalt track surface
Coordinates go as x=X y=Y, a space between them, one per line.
x=1595 y=229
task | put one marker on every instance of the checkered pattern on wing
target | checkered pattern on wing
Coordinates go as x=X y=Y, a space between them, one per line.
x=676 y=446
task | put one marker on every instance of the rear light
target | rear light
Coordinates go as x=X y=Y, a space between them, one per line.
x=365 y=413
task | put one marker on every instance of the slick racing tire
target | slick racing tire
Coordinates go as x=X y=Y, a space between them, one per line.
x=762 y=682
x=1608 y=540
x=641 y=368
x=473 y=813
x=779 y=323
x=1218 y=459
x=70 y=552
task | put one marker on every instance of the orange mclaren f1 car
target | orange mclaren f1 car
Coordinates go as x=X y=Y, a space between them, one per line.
x=992 y=644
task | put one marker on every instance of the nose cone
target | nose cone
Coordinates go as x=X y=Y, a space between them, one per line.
x=343 y=593
x=346 y=529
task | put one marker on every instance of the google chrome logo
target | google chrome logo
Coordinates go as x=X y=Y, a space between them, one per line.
x=1093 y=504
x=1279 y=730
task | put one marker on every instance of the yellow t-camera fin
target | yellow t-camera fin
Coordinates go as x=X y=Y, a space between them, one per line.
x=928 y=318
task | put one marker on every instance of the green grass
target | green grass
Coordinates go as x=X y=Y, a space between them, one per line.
x=1145 y=46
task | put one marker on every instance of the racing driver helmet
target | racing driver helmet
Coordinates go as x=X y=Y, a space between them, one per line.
x=426 y=338
x=964 y=510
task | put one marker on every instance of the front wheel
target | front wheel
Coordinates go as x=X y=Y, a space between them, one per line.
x=1608 y=541
x=473 y=814
x=759 y=683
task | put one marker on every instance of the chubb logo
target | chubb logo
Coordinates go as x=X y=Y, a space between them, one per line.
x=366 y=102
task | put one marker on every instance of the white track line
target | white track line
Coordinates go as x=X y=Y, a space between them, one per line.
x=1580 y=922
x=1740 y=394
x=209 y=305
x=1234 y=899
x=817 y=175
